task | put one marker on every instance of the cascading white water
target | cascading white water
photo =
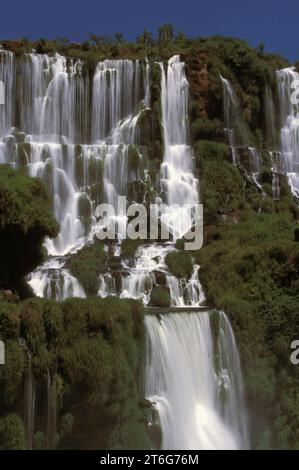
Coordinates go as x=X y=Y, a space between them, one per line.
x=53 y=281
x=53 y=140
x=52 y=98
x=107 y=285
x=179 y=187
x=289 y=135
x=117 y=94
x=30 y=405
x=275 y=177
x=193 y=377
x=232 y=117
x=120 y=95
x=269 y=112
x=7 y=76
x=231 y=111
x=194 y=381
x=255 y=160
x=177 y=179
x=141 y=278
x=51 y=412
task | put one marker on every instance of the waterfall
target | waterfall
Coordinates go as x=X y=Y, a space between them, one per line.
x=80 y=134
x=231 y=112
x=53 y=281
x=149 y=265
x=52 y=99
x=179 y=187
x=29 y=402
x=177 y=179
x=269 y=110
x=51 y=412
x=275 y=177
x=193 y=375
x=255 y=160
x=289 y=134
x=107 y=285
x=78 y=137
x=233 y=128
x=195 y=382
x=120 y=95
x=116 y=95
x=7 y=75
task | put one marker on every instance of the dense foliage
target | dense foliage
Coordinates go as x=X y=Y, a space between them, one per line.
x=93 y=351
x=25 y=219
x=87 y=264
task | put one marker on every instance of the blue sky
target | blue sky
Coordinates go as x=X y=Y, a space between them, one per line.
x=274 y=23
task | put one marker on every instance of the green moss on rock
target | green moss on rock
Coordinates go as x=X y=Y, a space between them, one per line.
x=179 y=264
x=160 y=297
x=87 y=264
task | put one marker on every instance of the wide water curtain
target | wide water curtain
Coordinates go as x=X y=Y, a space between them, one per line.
x=194 y=380
x=75 y=132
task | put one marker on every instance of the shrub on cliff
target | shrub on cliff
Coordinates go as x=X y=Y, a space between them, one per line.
x=87 y=264
x=204 y=128
x=160 y=297
x=12 y=433
x=93 y=350
x=179 y=264
x=222 y=189
x=25 y=219
x=210 y=150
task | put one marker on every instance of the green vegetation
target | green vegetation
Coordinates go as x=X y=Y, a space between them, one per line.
x=12 y=433
x=222 y=189
x=129 y=247
x=160 y=297
x=87 y=264
x=210 y=150
x=94 y=351
x=25 y=219
x=204 y=128
x=179 y=264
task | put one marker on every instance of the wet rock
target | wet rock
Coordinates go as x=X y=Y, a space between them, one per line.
x=145 y=403
x=160 y=278
x=10 y=296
